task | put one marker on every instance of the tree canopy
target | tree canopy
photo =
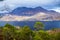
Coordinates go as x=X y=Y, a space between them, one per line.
x=10 y=32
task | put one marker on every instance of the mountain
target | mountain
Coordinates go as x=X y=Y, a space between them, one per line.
x=31 y=14
x=37 y=17
x=9 y=17
x=24 y=11
x=44 y=17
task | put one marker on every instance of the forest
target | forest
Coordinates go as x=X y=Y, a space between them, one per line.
x=10 y=32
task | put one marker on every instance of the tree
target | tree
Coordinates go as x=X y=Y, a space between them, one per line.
x=24 y=34
x=38 y=25
x=27 y=33
x=37 y=37
x=9 y=26
x=9 y=31
x=57 y=37
x=44 y=35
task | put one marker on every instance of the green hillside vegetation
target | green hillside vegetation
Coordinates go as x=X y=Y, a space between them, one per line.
x=10 y=32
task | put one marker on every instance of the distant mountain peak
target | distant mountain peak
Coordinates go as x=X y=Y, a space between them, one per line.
x=39 y=7
x=24 y=11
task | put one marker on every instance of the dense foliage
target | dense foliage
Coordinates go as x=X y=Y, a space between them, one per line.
x=10 y=32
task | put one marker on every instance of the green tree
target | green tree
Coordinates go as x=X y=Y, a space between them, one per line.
x=8 y=32
x=26 y=33
x=44 y=35
x=38 y=25
x=57 y=37
x=37 y=36
x=9 y=26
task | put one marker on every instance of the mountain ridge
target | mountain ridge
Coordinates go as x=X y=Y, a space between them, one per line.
x=24 y=11
x=30 y=14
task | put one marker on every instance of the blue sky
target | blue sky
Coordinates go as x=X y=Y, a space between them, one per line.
x=47 y=4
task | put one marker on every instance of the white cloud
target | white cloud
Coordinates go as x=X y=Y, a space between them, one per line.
x=31 y=3
x=4 y=11
x=56 y=9
x=44 y=2
x=27 y=3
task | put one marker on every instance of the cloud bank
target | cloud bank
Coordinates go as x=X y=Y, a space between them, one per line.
x=12 y=4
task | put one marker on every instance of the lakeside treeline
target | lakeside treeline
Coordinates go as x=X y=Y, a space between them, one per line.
x=10 y=32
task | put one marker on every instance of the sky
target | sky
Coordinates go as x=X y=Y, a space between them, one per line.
x=47 y=4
